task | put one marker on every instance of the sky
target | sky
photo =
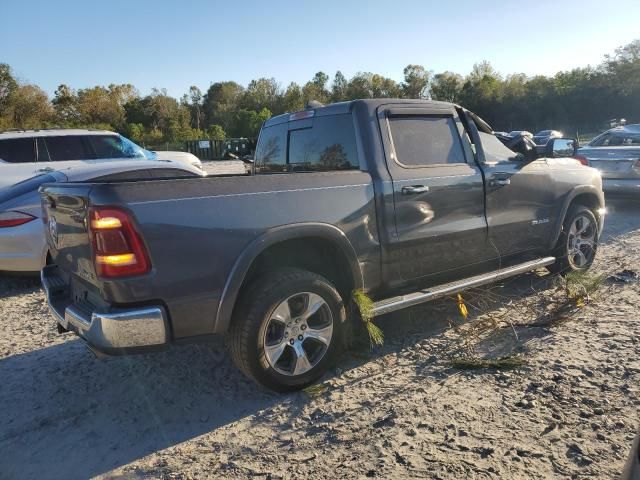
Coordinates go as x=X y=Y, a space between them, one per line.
x=175 y=44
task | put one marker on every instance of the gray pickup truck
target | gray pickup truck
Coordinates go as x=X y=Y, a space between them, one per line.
x=405 y=200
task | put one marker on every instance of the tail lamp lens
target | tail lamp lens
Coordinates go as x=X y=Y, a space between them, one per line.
x=13 y=219
x=118 y=248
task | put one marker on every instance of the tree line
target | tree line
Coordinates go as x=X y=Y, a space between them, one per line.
x=582 y=99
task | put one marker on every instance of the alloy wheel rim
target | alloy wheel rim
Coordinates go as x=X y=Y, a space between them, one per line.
x=298 y=334
x=581 y=242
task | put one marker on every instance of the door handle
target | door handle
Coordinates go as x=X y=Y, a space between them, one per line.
x=45 y=169
x=415 y=189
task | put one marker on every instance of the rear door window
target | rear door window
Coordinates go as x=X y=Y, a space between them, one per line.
x=330 y=144
x=423 y=140
x=17 y=150
x=67 y=147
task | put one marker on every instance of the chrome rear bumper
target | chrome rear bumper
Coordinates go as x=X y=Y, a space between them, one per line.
x=114 y=332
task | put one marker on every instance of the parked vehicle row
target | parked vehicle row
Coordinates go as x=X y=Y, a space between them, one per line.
x=25 y=153
x=616 y=154
x=405 y=200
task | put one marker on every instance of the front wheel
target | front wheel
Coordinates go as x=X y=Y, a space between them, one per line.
x=287 y=329
x=578 y=242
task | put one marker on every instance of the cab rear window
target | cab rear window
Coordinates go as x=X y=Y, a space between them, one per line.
x=327 y=144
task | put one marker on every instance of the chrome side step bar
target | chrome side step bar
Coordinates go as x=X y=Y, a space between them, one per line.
x=403 y=301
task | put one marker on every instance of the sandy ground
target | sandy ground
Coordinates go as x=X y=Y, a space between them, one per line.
x=401 y=411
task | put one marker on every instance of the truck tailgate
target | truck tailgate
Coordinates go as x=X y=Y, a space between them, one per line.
x=67 y=232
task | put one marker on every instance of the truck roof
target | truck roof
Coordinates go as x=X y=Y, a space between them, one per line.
x=346 y=107
x=52 y=132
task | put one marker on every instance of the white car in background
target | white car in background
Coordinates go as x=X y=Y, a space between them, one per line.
x=22 y=243
x=25 y=153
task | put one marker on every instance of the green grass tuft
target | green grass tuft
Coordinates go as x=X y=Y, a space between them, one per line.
x=365 y=307
x=582 y=285
x=315 y=389
x=503 y=363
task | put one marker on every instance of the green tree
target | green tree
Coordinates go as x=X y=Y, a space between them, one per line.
x=221 y=102
x=8 y=86
x=446 y=87
x=65 y=104
x=135 y=131
x=216 y=132
x=292 y=100
x=339 y=87
x=248 y=122
x=262 y=93
x=30 y=107
x=416 y=81
x=195 y=105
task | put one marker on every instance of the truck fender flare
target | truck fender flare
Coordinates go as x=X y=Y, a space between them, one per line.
x=569 y=198
x=271 y=237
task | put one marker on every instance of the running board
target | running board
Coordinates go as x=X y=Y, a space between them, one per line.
x=403 y=301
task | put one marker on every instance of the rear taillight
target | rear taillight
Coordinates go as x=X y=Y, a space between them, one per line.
x=118 y=249
x=582 y=159
x=13 y=219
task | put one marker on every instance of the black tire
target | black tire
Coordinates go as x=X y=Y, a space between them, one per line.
x=565 y=262
x=253 y=322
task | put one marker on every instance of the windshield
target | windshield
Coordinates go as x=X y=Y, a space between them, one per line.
x=135 y=150
x=116 y=146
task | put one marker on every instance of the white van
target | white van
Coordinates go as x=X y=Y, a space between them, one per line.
x=25 y=153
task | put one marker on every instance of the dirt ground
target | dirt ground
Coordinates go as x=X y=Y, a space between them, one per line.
x=402 y=411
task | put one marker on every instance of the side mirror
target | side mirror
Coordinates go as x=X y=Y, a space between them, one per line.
x=561 y=147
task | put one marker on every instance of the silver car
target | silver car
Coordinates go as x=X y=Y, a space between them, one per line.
x=616 y=153
x=22 y=243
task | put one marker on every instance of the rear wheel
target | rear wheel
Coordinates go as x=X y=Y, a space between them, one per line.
x=578 y=242
x=287 y=328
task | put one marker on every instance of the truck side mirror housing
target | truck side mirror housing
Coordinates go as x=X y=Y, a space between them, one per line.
x=561 y=147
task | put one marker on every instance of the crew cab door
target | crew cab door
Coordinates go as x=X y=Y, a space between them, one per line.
x=438 y=195
x=520 y=199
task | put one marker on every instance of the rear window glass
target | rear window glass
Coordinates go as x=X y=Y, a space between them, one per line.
x=17 y=150
x=329 y=144
x=426 y=140
x=271 y=151
x=68 y=147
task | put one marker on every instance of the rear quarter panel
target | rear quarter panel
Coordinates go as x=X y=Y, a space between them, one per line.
x=195 y=230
